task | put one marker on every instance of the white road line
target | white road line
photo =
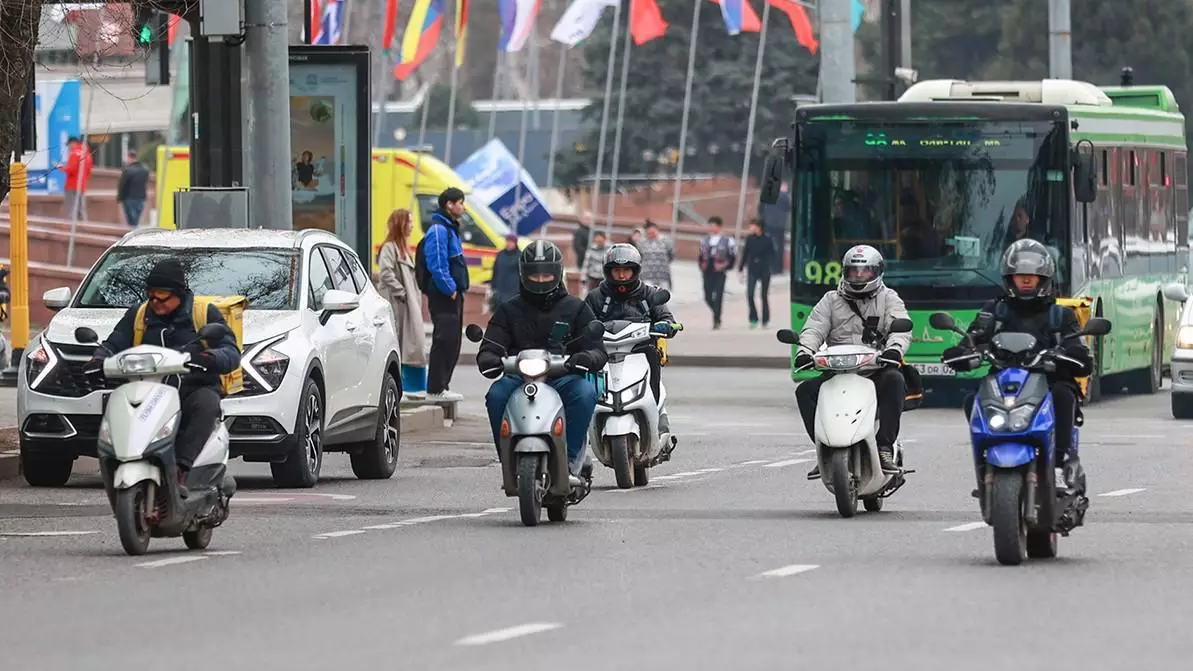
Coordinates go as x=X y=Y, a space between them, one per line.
x=507 y=634
x=339 y=534
x=710 y=470
x=1113 y=436
x=249 y=499
x=381 y=527
x=491 y=511
x=785 y=571
x=685 y=474
x=811 y=451
x=751 y=462
x=31 y=534
x=970 y=526
x=430 y=518
x=171 y=561
x=787 y=462
x=222 y=553
x=1123 y=492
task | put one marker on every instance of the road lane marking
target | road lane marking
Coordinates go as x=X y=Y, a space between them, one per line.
x=1123 y=492
x=222 y=553
x=971 y=526
x=339 y=534
x=784 y=571
x=409 y=523
x=800 y=454
x=490 y=511
x=249 y=499
x=171 y=561
x=34 y=534
x=710 y=470
x=788 y=462
x=508 y=633
x=752 y=462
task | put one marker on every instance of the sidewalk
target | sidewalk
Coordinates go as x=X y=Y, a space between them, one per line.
x=734 y=345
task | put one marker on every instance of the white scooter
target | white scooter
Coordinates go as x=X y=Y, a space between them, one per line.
x=626 y=431
x=136 y=451
x=847 y=424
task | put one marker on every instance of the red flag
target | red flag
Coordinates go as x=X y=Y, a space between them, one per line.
x=172 y=29
x=391 y=24
x=804 y=34
x=646 y=21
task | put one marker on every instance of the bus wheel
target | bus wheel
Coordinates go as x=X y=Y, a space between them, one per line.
x=1148 y=380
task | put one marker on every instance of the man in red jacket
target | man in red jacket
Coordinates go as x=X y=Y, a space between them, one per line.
x=78 y=173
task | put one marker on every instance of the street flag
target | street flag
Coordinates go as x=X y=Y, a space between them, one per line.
x=579 y=20
x=391 y=24
x=739 y=16
x=461 y=30
x=517 y=23
x=804 y=34
x=172 y=29
x=330 y=20
x=315 y=15
x=646 y=21
x=421 y=36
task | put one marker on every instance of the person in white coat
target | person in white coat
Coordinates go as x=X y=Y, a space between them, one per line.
x=860 y=303
x=400 y=288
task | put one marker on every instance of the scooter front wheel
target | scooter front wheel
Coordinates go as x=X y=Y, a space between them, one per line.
x=1006 y=516
x=530 y=490
x=132 y=518
x=844 y=488
x=622 y=466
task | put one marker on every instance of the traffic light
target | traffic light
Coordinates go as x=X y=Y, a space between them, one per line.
x=145 y=28
x=153 y=36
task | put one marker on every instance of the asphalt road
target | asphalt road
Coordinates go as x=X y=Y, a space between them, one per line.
x=731 y=561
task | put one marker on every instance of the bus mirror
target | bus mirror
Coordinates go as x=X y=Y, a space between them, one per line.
x=772 y=174
x=1085 y=176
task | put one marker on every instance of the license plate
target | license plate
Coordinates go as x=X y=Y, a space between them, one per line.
x=934 y=369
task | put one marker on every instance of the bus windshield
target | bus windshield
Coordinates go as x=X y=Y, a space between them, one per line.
x=940 y=199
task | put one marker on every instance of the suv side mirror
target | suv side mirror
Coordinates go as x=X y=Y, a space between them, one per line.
x=56 y=299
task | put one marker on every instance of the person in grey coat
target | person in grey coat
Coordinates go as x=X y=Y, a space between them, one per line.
x=399 y=286
x=840 y=318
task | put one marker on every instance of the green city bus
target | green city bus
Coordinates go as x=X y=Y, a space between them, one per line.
x=942 y=180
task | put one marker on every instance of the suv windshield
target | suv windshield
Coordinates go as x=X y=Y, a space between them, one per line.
x=941 y=200
x=264 y=276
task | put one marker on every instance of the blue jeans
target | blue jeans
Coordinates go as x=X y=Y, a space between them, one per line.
x=579 y=405
x=132 y=211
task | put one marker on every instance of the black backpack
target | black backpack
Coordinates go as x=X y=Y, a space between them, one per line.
x=422 y=275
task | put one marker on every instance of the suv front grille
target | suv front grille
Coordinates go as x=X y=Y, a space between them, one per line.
x=67 y=378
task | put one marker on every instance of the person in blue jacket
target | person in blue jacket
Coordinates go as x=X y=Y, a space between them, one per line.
x=448 y=275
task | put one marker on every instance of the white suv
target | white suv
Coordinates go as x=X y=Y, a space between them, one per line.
x=320 y=357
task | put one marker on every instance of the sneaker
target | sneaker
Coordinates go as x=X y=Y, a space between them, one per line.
x=445 y=396
x=414 y=395
x=814 y=474
x=886 y=457
x=664 y=423
x=753 y=324
x=183 y=492
x=1073 y=474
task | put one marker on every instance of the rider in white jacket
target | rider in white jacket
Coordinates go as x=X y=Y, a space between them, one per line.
x=842 y=317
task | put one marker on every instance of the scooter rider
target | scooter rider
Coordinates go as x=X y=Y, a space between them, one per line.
x=840 y=319
x=1027 y=271
x=623 y=295
x=526 y=322
x=168 y=322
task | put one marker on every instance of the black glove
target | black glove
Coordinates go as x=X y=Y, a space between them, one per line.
x=891 y=356
x=803 y=359
x=489 y=364
x=581 y=361
x=952 y=353
x=959 y=366
x=203 y=362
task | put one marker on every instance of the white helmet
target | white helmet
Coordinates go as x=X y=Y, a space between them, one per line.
x=861 y=272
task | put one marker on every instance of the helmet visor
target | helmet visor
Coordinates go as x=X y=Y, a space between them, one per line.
x=860 y=275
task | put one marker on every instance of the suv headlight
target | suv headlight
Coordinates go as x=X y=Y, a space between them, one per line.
x=271 y=366
x=1184 y=338
x=40 y=361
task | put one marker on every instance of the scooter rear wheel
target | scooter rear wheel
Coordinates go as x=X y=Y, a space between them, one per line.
x=132 y=521
x=198 y=539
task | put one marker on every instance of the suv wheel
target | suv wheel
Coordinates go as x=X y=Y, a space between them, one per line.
x=378 y=458
x=305 y=460
x=45 y=470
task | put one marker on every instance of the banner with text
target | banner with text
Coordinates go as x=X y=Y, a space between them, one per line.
x=499 y=181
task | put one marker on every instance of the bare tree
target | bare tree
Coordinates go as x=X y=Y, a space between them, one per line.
x=18 y=36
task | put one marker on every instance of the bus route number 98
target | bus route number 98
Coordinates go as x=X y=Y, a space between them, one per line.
x=817 y=273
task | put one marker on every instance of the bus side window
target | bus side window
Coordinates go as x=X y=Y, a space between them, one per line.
x=1180 y=177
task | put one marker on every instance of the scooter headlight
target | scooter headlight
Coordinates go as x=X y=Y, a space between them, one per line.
x=1020 y=418
x=531 y=368
x=997 y=419
x=167 y=429
x=137 y=364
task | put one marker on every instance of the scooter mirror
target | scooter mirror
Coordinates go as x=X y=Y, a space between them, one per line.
x=942 y=321
x=1096 y=326
x=660 y=297
x=787 y=337
x=901 y=326
x=474 y=333
x=86 y=336
x=212 y=332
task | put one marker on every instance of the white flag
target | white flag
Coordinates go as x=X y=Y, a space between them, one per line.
x=580 y=19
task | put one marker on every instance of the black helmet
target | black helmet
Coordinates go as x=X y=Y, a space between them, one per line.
x=623 y=255
x=1028 y=257
x=541 y=258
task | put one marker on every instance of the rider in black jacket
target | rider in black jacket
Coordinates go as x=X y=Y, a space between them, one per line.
x=1027 y=270
x=623 y=295
x=527 y=322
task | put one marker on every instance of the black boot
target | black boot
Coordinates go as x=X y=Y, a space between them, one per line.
x=814 y=474
x=886 y=457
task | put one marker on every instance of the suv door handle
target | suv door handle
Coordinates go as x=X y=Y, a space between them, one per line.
x=378 y=321
x=351 y=326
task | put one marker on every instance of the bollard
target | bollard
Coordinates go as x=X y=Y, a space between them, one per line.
x=18 y=214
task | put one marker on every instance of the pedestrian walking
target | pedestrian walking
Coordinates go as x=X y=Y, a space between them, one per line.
x=398 y=285
x=717 y=254
x=77 y=168
x=658 y=252
x=580 y=239
x=132 y=189
x=635 y=238
x=757 y=264
x=505 y=283
x=444 y=280
x=594 y=261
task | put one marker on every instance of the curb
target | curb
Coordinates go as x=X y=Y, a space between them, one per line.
x=699 y=361
x=422 y=418
x=10 y=466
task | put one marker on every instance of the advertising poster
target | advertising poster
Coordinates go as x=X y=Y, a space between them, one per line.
x=58 y=119
x=495 y=176
x=329 y=141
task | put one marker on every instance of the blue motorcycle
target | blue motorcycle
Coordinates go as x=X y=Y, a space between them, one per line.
x=1012 y=428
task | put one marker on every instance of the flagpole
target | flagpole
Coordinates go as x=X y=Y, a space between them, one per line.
x=596 y=180
x=422 y=136
x=522 y=134
x=563 y=60
x=383 y=97
x=625 y=74
x=496 y=90
x=745 y=164
x=451 y=107
x=683 y=123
